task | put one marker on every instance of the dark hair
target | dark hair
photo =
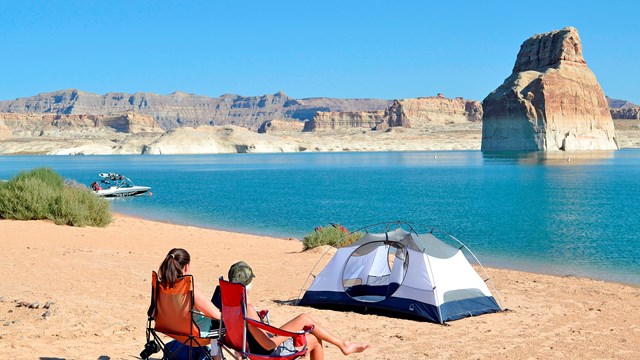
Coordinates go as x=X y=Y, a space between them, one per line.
x=171 y=268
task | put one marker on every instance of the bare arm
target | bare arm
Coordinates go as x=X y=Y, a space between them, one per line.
x=260 y=335
x=205 y=305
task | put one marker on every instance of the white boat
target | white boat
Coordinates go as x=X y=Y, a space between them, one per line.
x=116 y=185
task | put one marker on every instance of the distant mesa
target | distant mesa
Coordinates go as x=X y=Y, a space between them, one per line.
x=182 y=109
x=29 y=125
x=417 y=113
x=619 y=103
x=344 y=120
x=623 y=110
x=551 y=101
x=436 y=110
x=280 y=126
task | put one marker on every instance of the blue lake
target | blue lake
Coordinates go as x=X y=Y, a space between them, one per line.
x=556 y=213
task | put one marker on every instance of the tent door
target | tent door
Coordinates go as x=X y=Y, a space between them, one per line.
x=375 y=270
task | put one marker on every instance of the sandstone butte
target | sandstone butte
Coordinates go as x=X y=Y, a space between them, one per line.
x=552 y=101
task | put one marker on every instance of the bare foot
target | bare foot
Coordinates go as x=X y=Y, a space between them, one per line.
x=351 y=348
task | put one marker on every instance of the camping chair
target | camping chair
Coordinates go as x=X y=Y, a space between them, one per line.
x=234 y=340
x=173 y=313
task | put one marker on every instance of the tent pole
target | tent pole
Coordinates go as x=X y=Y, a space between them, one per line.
x=310 y=273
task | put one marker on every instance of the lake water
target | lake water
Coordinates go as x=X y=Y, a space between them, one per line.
x=563 y=214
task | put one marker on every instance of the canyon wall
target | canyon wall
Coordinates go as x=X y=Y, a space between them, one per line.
x=342 y=120
x=28 y=125
x=409 y=113
x=182 y=109
x=436 y=110
x=626 y=114
x=623 y=109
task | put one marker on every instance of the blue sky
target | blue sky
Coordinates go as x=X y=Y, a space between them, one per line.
x=346 y=49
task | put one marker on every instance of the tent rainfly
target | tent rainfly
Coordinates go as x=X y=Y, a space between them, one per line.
x=402 y=272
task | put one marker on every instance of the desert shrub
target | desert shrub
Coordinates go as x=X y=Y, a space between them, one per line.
x=333 y=235
x=41 y=194
x=78 y=207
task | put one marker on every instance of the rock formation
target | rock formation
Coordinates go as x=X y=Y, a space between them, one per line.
x=341 y=120
x=623 y=110
x=409 y=113
x=27 y=125
x=551 y=101
x=280 y=126
x=218 y=140
x=619 y=103
x=181 y=109
x=30 y=133
x=436 y=110
x=5 y=132
x=625 y=113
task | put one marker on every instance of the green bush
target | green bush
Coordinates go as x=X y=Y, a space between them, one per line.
x=333 y=235
x=41 y=194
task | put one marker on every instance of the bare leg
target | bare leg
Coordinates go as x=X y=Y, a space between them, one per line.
x=316 y=352
x=297 y=323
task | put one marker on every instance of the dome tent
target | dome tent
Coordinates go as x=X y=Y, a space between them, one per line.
x=402 y=272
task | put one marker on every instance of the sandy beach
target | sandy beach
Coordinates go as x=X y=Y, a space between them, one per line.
x=98 y=280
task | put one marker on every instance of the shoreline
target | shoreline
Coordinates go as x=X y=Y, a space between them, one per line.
x=444 y=150
x=432 y=137
x=528 y=268
x=99 y=281
x=189 y=141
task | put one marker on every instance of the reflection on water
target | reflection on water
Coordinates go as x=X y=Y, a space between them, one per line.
x=551 y=158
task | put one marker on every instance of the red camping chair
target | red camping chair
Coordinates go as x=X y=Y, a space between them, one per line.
x=234 y=310
x=173 y=313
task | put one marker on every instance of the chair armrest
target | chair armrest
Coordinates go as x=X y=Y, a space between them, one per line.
x=204 y=324
x=264 y=314
x=299 y=337
x=200 y=313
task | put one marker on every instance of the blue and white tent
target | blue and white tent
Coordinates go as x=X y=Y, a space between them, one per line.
x=402 y=272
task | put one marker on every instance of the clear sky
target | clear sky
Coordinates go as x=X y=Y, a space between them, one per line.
x=345 y=48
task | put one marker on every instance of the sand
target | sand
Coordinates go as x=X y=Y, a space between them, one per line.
x=99 y=281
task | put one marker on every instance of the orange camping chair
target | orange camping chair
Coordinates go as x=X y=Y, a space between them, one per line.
x=173 y=313
x=234 y=340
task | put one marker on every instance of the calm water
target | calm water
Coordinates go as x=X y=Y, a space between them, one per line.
x=562 y=215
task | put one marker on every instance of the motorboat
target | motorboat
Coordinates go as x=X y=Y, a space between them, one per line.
x=116 y=185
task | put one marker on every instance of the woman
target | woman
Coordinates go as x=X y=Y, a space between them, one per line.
x=176 y=264
x=262 y=342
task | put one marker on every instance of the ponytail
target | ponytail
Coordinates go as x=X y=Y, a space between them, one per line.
x=171 y=268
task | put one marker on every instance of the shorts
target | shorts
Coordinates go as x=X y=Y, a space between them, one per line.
x=286 y=348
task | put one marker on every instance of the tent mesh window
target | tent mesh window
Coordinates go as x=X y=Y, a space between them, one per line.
x=375 y=270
